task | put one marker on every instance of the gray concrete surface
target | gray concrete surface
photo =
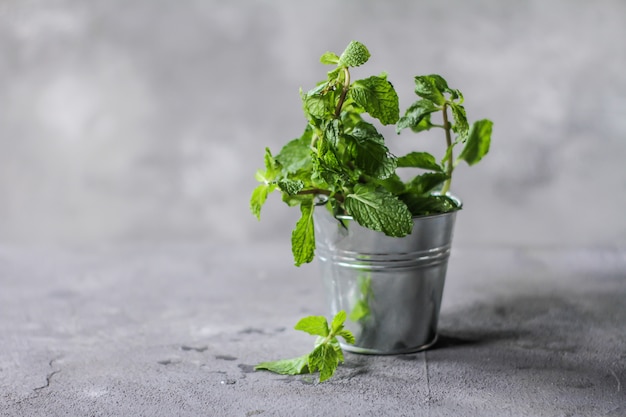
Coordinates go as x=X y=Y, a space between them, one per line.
x=163 y=330
x=146 y=119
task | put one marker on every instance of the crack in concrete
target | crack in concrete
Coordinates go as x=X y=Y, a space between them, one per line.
x=619 y=383
x=428 y=393
x=48 y=376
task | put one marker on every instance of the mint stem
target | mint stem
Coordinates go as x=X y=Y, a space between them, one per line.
x=314 y=191
x=450 y=164
x=344 y=92
x=318 y=191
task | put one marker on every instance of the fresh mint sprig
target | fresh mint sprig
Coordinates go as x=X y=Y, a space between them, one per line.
x=325 y=356
x=343 y=158
x=436 y=96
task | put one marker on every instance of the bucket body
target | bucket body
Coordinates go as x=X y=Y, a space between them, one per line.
x=391 y=288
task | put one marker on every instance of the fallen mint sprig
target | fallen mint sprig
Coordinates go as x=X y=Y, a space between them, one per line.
x=326 y=354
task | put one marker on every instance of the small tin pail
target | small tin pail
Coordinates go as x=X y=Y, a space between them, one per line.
x=390 y=287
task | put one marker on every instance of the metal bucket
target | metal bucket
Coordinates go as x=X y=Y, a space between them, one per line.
x=390 y=287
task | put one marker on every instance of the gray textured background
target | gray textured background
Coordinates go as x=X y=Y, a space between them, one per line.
x=146 y=120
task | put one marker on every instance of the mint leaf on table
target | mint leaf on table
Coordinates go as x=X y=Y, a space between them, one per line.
x=378 y=97
x=478 y=141
x=347 y=336
x=326 y=354
x=295 y=366
x=325 y=359
x=303 y=236
x=378 y=209
x=314 y=325
x=337 y=324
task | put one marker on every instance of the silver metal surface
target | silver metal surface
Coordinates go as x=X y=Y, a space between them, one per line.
x=390 y=287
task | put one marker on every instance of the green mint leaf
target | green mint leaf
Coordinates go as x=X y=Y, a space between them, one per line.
x=314 y=325
x=455 y=95
x=297 y=199
x=354 y=55
x=296 y=154
x=303 y=236
x=417 y=116
x=393 y=184
x=325 y=359
x=291 y=187
x=266 y=178
x=332 y=131
x=326 y=164
x=422 y=160
x=335 y=344
x=334 y=75
x=365 y=130
x=272 y=167
x=338 y=320
x=423 y=124
x=329 y=58
x=461 y=127
x=261 y=176
x=316 y=106
x=378 y=97
x=326 y=354
x=426 y=205
x=440 y=82
x=259 y=197
x=370 y=153
x=425 y=183
x=478 y=141
x=319 y=102
x=347 y=335
x=378 y=209
x=295 y=366
x=431 y=87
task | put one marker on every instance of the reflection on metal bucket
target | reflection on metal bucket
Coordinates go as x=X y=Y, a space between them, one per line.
x=390 y=287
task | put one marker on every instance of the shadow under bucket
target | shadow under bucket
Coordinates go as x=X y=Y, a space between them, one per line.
x=391 y=288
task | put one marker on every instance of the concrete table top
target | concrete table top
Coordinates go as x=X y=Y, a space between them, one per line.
x=175 y=329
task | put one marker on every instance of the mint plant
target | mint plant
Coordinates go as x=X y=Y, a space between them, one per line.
x=326 y=354
x=341 y=160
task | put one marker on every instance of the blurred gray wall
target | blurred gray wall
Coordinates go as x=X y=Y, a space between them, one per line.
x=126 y=121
